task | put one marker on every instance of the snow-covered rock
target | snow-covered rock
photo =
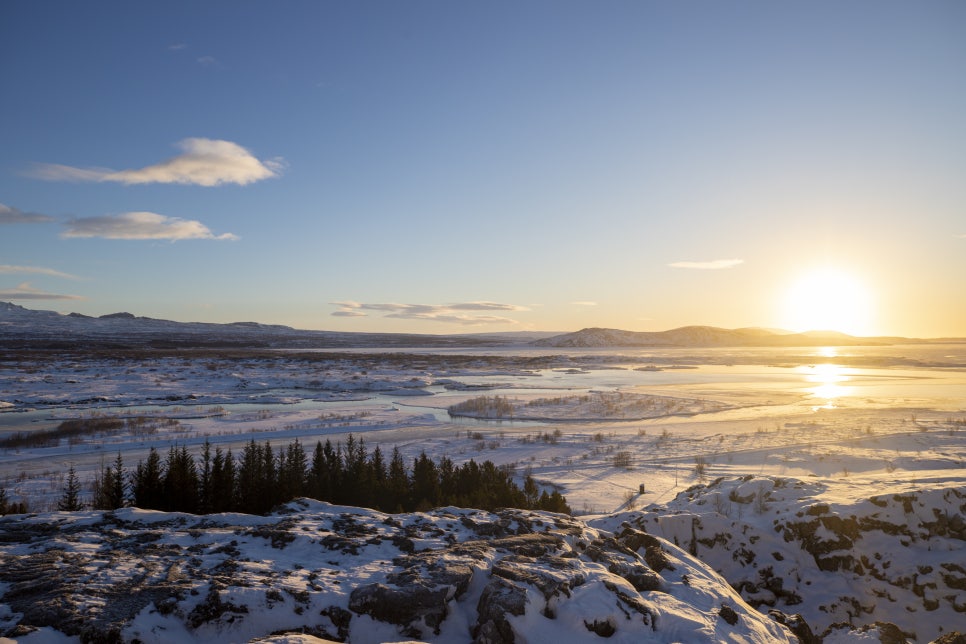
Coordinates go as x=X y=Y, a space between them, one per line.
x=349 y=574
x=783 y=543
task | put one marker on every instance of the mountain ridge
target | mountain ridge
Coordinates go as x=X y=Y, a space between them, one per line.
x=710 y=336
x=18 y=323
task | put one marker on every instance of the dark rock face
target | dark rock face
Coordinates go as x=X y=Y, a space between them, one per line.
x=499 y=599
x=797 y=625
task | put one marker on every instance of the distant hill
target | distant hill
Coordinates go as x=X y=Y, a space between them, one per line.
x=31 y=328
x=707 y=336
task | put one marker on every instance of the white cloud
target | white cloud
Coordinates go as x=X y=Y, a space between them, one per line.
x=39 y=270
x=204 y=162
x=140 y=225
x=178 y=46
x=463 y=313
x=208 y=61
x=713 y=265
x=27 y=292
x=10 y=215
x=584 y=303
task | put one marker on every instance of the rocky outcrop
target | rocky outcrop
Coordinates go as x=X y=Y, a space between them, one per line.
x=347 y=574
x=892 y=558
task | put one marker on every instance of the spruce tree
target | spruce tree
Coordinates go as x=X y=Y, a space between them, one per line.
x=70 y=500
x=425 y=483
x=248 y=477
x=378 y=476
x=99 y=487
x=204 y=480
x=109 y=488
x=117 y=495
x=147 y=485
x=180 y=481
x=223 y=488
x=318 y=479
x=268 y=483
x=292 y=473
x=397 y=485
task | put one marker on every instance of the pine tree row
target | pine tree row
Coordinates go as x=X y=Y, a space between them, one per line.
x=261 y=477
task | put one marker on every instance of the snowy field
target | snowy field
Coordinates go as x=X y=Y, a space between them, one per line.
x=746 y=441
x=852 y=426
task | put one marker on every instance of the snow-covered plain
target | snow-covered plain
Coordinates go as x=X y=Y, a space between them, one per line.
x=770 y=440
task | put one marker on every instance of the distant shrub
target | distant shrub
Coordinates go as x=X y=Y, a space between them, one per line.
x=622 y=459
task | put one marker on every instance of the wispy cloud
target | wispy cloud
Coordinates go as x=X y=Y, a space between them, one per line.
x=27 y=292
x=713 y=265
x=204 y=162
x=208 y=61
x=10 y=215
x=140 y=225
x=464 y=313
x=178 y=46
x=38 y=270
x=584 y=303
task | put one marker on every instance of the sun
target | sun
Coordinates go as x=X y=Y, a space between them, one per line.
x=828 y=299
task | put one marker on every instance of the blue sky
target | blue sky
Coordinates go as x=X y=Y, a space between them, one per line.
x=446 y=167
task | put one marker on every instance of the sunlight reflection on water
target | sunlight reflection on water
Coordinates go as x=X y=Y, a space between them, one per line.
x=827 y=378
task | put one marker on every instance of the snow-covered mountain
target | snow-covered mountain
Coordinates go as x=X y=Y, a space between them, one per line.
x=348 y=574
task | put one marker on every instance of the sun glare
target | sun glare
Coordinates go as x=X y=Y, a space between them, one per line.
x=827 y=379
x=828 y=300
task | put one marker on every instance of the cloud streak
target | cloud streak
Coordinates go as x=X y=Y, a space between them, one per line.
x=38 y=270
x=713 y=265
x=463 y=313
x=203 y=162
x=584 y=303
x=11 y=215
x=27 y=292
x=140 y=225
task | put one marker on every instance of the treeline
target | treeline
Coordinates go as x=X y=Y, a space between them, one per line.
x=261 y=477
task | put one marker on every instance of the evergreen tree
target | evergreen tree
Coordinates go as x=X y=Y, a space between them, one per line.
x=223 y=491
x=531 y=491
x=147 y=485
x=204 y=480
x=109 y=487
x=99 y=487
x=318 y=481
x=292 y=475
x=70 y=500
x=268 y=483
x=180 y=481
x=377 y=476
x=3 y=501
x=356 y=488
x=425 y=483
x=397 y=484
x=554 y=502
x=117 y=494
x=249 y=477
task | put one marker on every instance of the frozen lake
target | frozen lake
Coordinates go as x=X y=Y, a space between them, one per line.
x=760 y=408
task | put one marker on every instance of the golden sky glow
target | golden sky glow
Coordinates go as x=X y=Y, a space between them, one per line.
x=829 y=299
